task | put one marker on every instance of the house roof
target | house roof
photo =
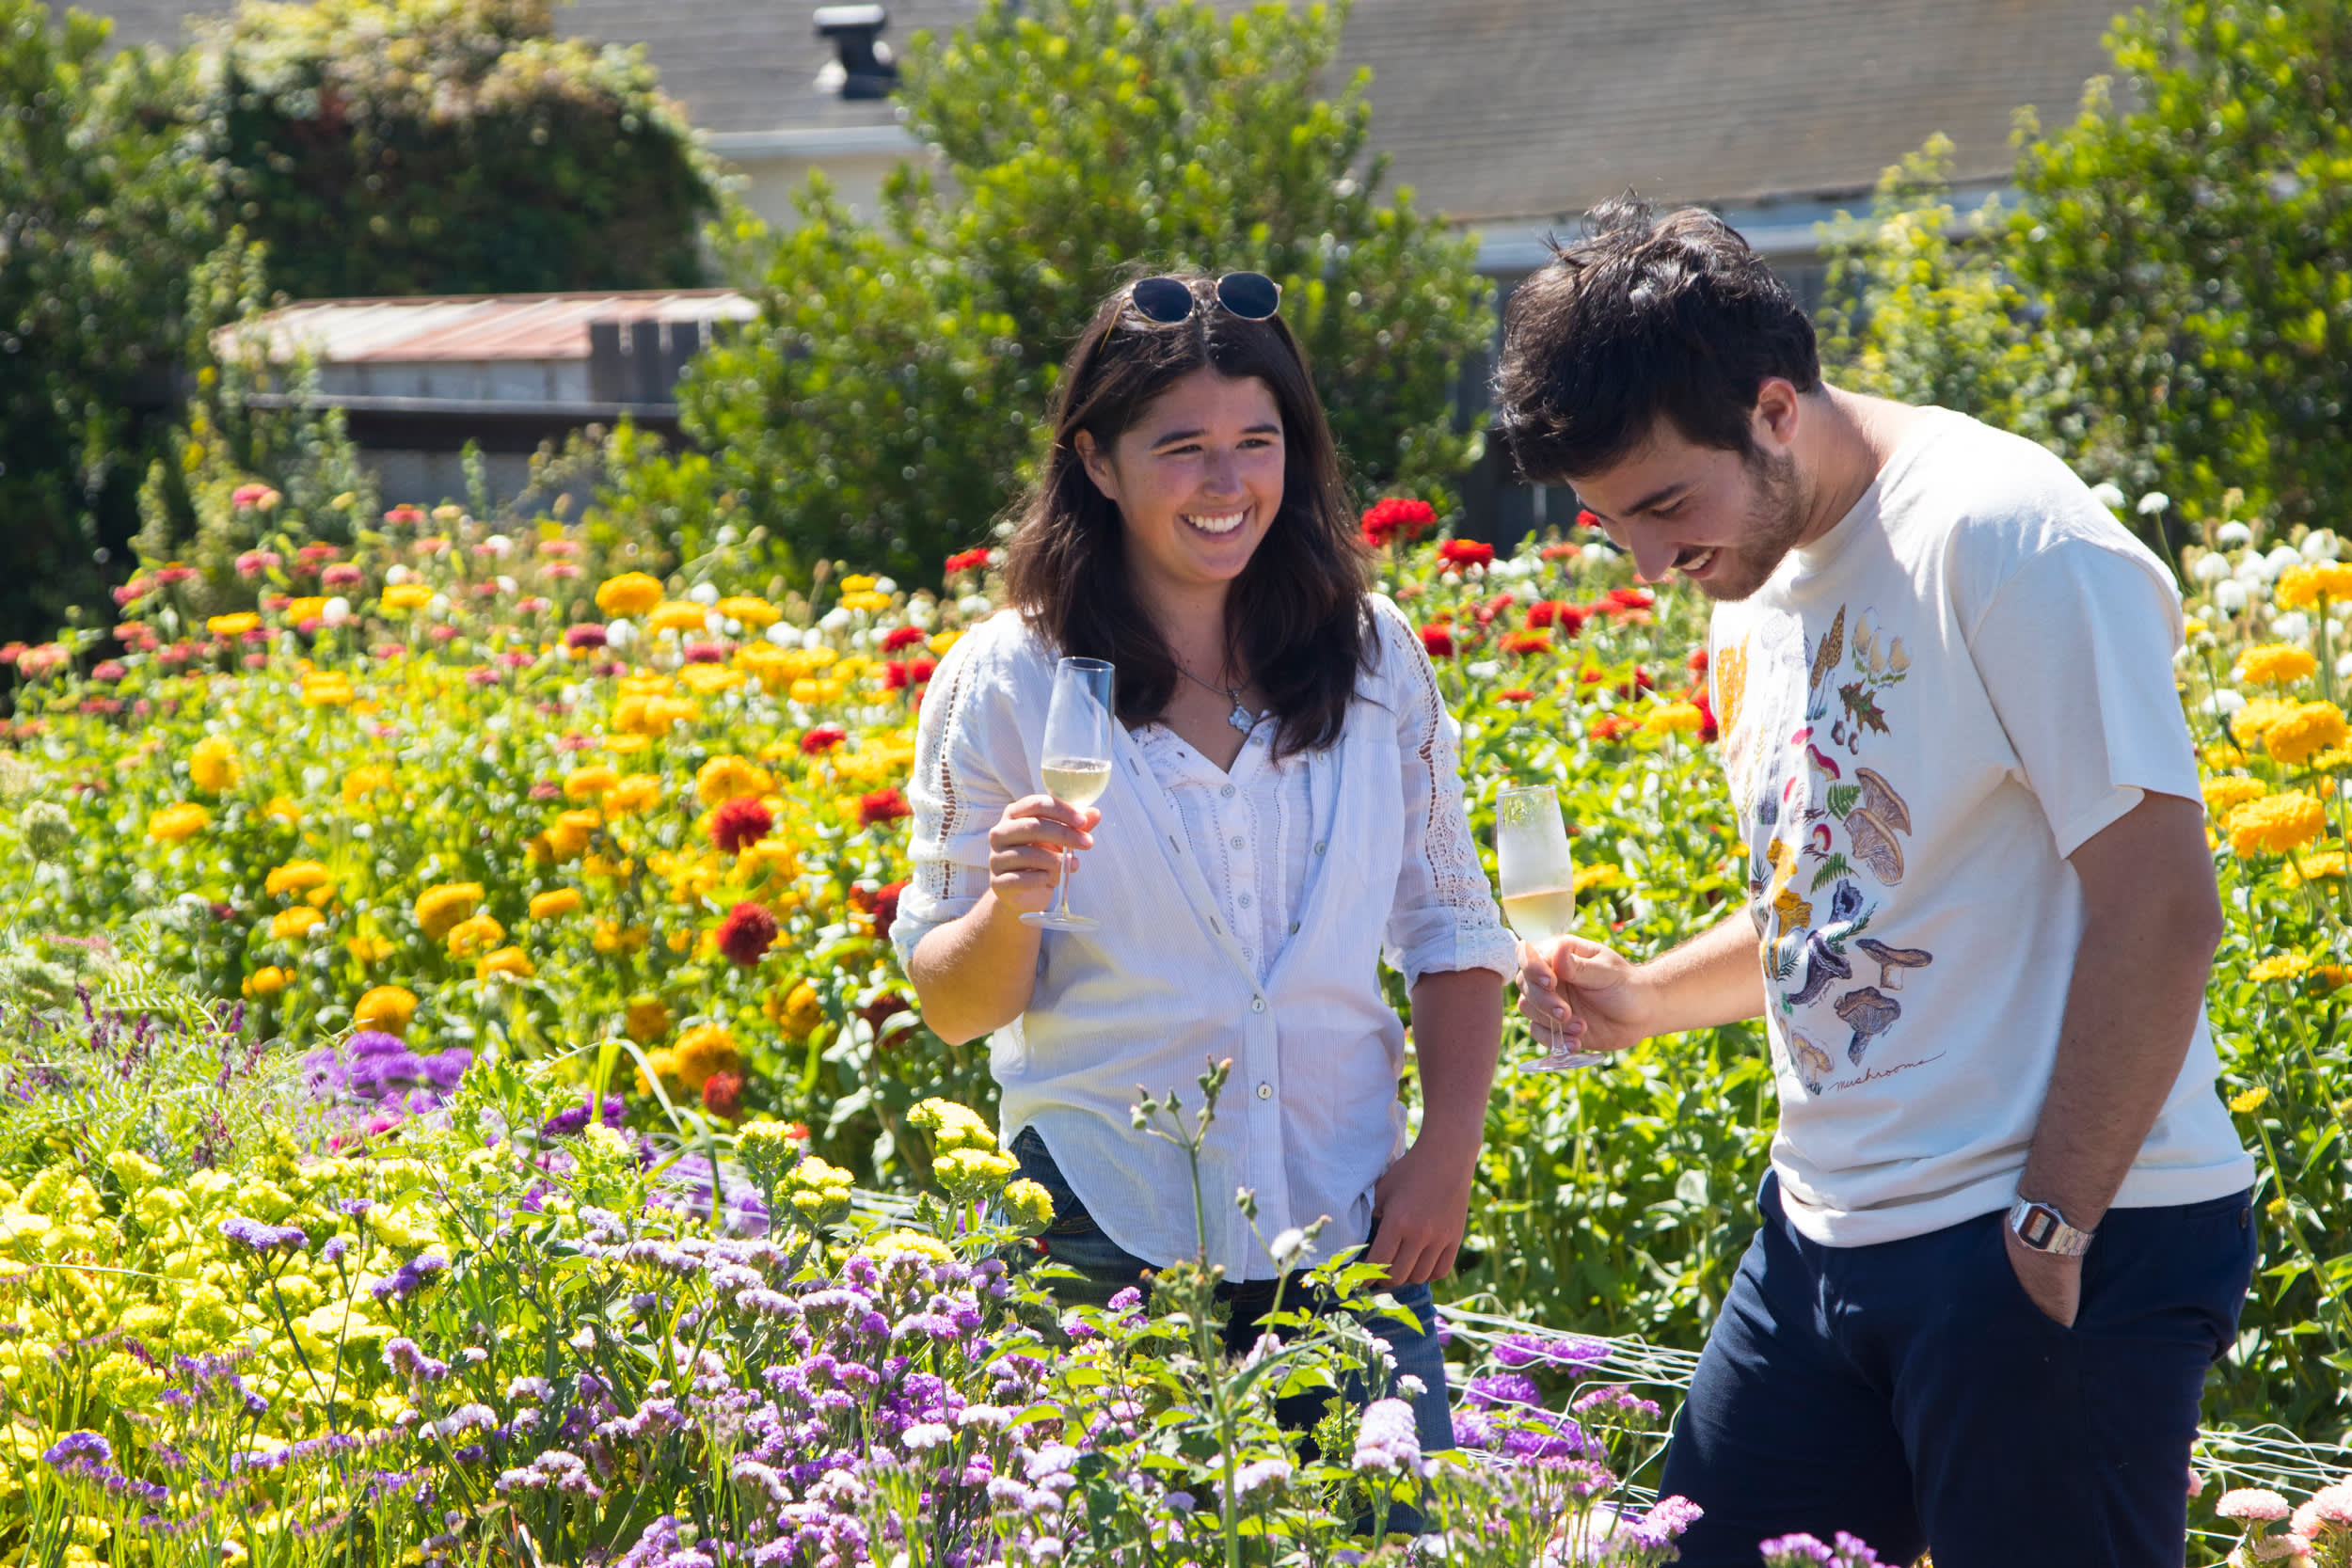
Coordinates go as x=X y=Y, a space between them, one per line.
x=1497 y=110
x=414 y=329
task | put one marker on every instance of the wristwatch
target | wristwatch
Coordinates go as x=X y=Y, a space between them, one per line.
x=2044 y=1230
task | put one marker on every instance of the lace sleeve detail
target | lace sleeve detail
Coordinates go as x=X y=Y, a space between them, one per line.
x=1444 y=916
x=957 y=796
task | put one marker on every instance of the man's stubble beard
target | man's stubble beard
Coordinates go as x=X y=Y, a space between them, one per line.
x=1775 y=523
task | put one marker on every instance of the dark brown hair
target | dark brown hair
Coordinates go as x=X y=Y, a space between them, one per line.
x=1295 y=616
x=1644 y=318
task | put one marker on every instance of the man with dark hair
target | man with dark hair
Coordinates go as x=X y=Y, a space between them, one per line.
x=2006 y=1228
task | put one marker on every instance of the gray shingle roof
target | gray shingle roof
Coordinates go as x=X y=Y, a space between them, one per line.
x=1509 y=109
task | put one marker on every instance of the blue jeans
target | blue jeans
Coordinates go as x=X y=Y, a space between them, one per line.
x=1076 y=1242
x=1913 y=1394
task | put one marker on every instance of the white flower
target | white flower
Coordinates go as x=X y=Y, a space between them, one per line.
x=2232 y=537
x=924 y=1435
x=2230 y=598
x=397 y=573
x=884 y=586
x=784 y=636
x=2154 y=503
x=2293 y=627
x=2254 y=571
x=713 y=622
x=498 y=544
x=1386 y=1439
x=813 y=638
x=336 y=611
x=1483 y=670
x=2224 y=702
x=506 y=584
x=2106 y=493
x=2211 y=567
x=973 y=606
x=2321 y=544
x=2343 y=666
x=702 y=592
x=1595 y=552
x=834 y=619
x=619 y=634
x=437 y=606
x=1286 y=1247
x=2282 y=558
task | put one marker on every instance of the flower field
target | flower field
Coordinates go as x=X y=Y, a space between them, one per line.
x=460 y=1104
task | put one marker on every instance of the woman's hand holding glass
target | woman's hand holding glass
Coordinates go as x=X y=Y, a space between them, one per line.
x=1027 y=847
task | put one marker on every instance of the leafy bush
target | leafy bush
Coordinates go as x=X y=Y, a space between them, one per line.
x=388 y=147
x=105 y=204
x=884 y=407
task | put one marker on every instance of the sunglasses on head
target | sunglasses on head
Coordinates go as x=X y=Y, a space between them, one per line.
x=1251 y=296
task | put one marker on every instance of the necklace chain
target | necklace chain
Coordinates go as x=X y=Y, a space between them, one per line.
x=1232 y=693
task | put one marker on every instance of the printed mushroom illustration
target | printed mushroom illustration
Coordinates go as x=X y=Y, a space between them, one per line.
x=1874 y=844
x=1823 y=964
x=1880 y=800
x=1892 y=961
x=1867 y=1012
x=1812 y=1062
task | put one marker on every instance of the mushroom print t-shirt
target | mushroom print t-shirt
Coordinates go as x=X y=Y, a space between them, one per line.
x=1924 y=713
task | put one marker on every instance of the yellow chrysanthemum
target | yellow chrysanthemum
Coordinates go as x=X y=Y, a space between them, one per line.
x=2223 y=754
x=511 y=962
x=613 y=937
x=2285 y=966
x=568 y=836
x=750 y=610
x=646 y=1018
x=266 y=981
x=2308 y=585
x=868 y=602
x=2305 y=731
x=327 y=688
x=678 y=615
x=2276 y=824
x=213 y=765
x=2273 y=664
x=283 y=808
x=858 y=582
x=816 y=693
x=475 y=934
x=555 y=904
x=2251 y=1101
x=797 y=1012
x=943 y=640
x=370 y=779
x=386 y=1007
x=2230 y=791
x=292 y=925
x=233 y=625
x=630 y=594
x=440 y=909
x=404 y=596
x=1607 y=874
x=2311 y=867
x=1675 y=719
x=295 y=876
x=634 y=792
x=708 y=680
x=174 y=824
x=702 y=1051
x=2250 y=723
x=365 y=950
x=586 y=783
x=308 y=608
x=730 y=777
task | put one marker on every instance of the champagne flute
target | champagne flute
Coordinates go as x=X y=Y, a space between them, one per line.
x=1538 y=888
x=1077 y=763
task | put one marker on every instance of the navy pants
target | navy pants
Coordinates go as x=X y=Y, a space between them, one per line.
x=1076 y=1242
x=1913 y=1394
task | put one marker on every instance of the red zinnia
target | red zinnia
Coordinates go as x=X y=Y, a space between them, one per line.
x=901 y=637
x=1697 y=661
x=1558 y=552
x=1466 y=552
x=1517 y=694
x=740 y=823
x=1526 y=642
x=887 y=909
x=1494 y=606
x=747 y=933
x=897 y=676
x=404 y=515
x=1556 y=613
x=967 y=560
x=1587 y=520
x=1629 y=598
x=884 y=805
x=723 y=1095
x=1438 y=641
x=1396 y=518
x=1609 y=726
x=824 y=737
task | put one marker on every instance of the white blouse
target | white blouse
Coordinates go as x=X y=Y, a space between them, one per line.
x=1244 y=915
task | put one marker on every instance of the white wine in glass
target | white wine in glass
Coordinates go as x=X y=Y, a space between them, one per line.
x=1077 y=766
x=1538 y=888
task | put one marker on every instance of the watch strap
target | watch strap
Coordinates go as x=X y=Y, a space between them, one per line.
x=2040 y=1226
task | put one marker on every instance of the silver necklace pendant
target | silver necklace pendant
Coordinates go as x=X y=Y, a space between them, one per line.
x=1240 y=718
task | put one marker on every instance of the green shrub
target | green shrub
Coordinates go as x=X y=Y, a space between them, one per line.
x=384 y=146
x=886 y=406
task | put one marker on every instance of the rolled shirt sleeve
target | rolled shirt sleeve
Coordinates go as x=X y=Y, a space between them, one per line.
x=969 y=764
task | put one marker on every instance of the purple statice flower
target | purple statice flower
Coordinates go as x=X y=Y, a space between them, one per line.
x=334 y=1250
x=1264 y=1476
x=262 y=1238
x=79 y=1450
x=1796 y=1551
x=574 y=1118
x=409 y=1278
x=403 y=1356
x=1386 y=1440
x=1474 y=1429
x=1501 y=1389
x=1619 y=1404
x=1568 y=1352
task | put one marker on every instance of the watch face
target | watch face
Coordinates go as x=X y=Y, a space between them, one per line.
x=2038 y=1227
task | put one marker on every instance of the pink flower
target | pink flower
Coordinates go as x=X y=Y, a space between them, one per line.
x=2286 y=1544
x=343 y=575
x=2252 y=1502
x=2330 y=1505
x=252 y=564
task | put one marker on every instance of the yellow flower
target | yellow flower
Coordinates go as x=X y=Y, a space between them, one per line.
x=2252 y=1099
x=473 y=935
x=630 y=594
x=386 y=1007
x=2223 y=754
x=327 y=688
x=900 y=1244
x=441 y=907
x=281 y=808
x=2287 y=966
x=634 y=792
x=2311 y=867
x=555 y=904
x=749 y=609
x=235 y=624
x=406 y=596
x=1676 y=718
x=858 y=582
x=943 y=640
x=797 y=1012
x=612 y=937
x=2308 y=585
x=702 y=1051
x=586 y=783
x=2306 y=729
x=813 y=692
x=708 y=680
x=2249 y=721
x=951 y=1126
x=870 y=603
x=2229 y=792
x=511 y=962
x=368 y=950
x=295 y=876
x=646 y=1019
x=664 y=1065
x=365 y=781
x=266 y=981
x=2276 y=824
x=2273 y=664
x=1607 y=874
x=175 y=823
x=730 y=777
x=625 y=745
x=298 y=611
x=212 y=766
x=569 y=834
x=295 y=924
x=678 y=615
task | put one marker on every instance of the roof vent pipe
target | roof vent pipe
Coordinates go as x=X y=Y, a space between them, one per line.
x=865 y=68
